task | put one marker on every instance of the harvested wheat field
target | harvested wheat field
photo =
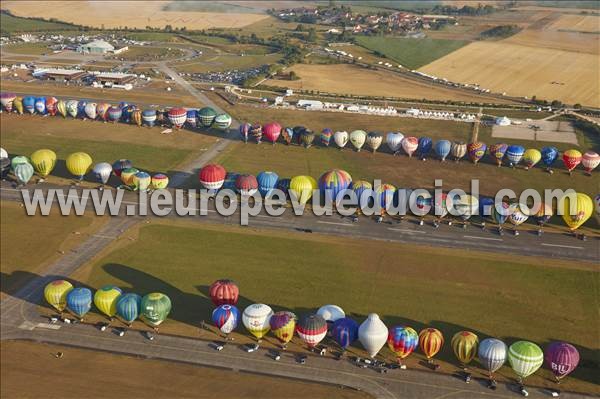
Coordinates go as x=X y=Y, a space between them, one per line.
x=352 y=79
x=133 y=14
x=524 y=71
x=557 y=40
x=579 y=23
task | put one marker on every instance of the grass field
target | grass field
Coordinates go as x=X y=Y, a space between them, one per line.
x=11 y=25
x=517 y=295
x=28 y=48
x=412 y=53
x=22 y=255
x=224 y=62
x=148 y=53
x=21 y=360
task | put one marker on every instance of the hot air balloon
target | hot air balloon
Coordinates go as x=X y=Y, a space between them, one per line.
x=500 y=214
x=476 y=151
x=56 y=292
x=466 y=206
x=19 y=159
x=331 y=313
x=61 y=107
x=81 y=109
x=79 y=301
x=590 y=161
x=102 y=111
x=271 y=131
x=492 y=354
x=341 y=138
x=326 y=135
x=334 y=182
x=517 y=214
x=256 y=132
x=114 y=113
x=128 y=307
x=256 y=319
x=18 y=105
x=307 y=137
x=283 y=325
x=402 y=341
x=410 y=145
x=222 y=121
x=583 y=207
x=229 y=183
x=514 y=154
x=136 y=117
x=394 y=141
x=374 y=140
x=421 y=204
x=344 y=331
x=155 y=308
x=224 y=292
x=127 y=176
x=51 y=103
x=312 y=329
x=464 y=345
x=287 y=134
x=40 y=105
x=141 y=181
x=361 y=186
x=23 y=172
x=372 y=334
x=302 y=187
x=71 y=106
x=385 y=195
x=7 y=99
x=206 y=116
x=78 y=164
x=191 y=117
x=267 y=181
x=106 y=299
x=525 y=358
x=29 y=104
x=284 y=185
x=571 y=158
x=128 y=111
x=159 y=181
x=549 y=155
x=458 y=150
x=226 y=318
x=442 y=149
x=562 y=358
x=244 y=131
x=542 y=213
x=3 y=153
x=358 y=138
x=246 y=185
x=149 y=117
x=43 y=161
x=177 y=117
x=4 y=167
x=121 y=165
x=424 y=147
x=90 y=110
x=212 y=176
x=531 y=157
x=597 y=203
x=431 y=341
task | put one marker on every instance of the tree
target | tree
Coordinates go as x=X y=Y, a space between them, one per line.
x=312 y=35
x=577 y=106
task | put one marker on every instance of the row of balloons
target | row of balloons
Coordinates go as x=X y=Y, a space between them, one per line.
x=423 y=146
x=123 y=112
x=524 y=357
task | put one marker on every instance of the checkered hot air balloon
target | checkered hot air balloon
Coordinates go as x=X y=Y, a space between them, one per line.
x=476 y=151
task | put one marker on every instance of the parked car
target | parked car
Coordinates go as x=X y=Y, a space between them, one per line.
x=218 y=345
x=251 y=347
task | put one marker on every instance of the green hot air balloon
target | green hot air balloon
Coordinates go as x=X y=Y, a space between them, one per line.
x=23 y=173
x=18 y=160
x=525 y=358
x=155 y=308
x=206 y=116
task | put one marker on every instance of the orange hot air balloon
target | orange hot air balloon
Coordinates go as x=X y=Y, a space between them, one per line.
x=431 y=341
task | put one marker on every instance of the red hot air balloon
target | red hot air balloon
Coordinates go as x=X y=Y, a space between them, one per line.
x=246 y=184
x=271 y=131
x=562 y=358
x=312 y=329
x=571 y=158
x=224 y=292
x=177 y=117
x=212 y=176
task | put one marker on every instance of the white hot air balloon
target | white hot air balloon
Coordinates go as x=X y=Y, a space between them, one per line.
x=394 y=141
x=3 y=153
x=372 y=334
x=590 y=161
x=256 y=319
x=90 y=110
x=102 y=172
x=409 y=145
x=358 y=138
x=331 y=313
x=341 y=138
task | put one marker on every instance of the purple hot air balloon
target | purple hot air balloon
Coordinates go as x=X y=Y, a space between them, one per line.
x=562 y=358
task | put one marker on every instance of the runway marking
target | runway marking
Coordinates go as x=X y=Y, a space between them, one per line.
x=407 y=230
x=561 y=246
x=102 y=236
x=48 y=326
x=484 y=238
x=27 y=325
x=335 y=223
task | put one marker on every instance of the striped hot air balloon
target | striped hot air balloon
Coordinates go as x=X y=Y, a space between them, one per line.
x=410 y=145
x=590 y=161
x=61 y=107
x=90 y=110
x=562 y=358
x=358 y=138
x=136 y=117
x=283 y=325
x=222 y=121
x=121 y=165
x=102 y=111
x=212 y=176
x=514 y=154
x=224 y=292
x=492 y=354
x=51 y=103
x=394 y=141
x=7 y=99
x=18 y=105
x=141 y=181
x=267 y=181
x=226 y=318
x=374 y=140
x=128 y=307
x=525 y=358
x=333 y=182
x=206 y=116
x=256 y=132
x=307 y=138
x=245 y=131
x=476 y=151
x=458 y=150
x=464 y=344
x=149 y=117
x=23 y=172
x=127 y=175
x=79 y=301
x=160 y=181
x=271 y=131
x=114 y=113
x=326 y=135
x=246 y=185
x=312 y=329
x=177 y=117
x=431 y=341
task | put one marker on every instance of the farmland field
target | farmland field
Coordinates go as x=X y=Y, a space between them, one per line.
x=412 y=53
x=21 y=360
x=149 y=53
x=579 y=23
x=514 y=293
x=224 y=62
x=28 y=48
x=115 y=14
x=10 y=24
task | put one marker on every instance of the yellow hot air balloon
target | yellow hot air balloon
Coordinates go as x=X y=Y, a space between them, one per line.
x=127 y=175
x=78 y=164
x=43 y=161
x=283 y=325
x=302 y=187
x=61 y=106
x=106 y=299
x=464 y=344
x=56 y=292
x=583 y=208
x=531 y=157
x=18 y=105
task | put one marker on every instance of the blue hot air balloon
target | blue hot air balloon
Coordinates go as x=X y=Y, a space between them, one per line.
x=149 y=117
x=514 y=153
x=500 y=216
x=126 y=113
x=442 y=149
x=128 y=307
x=344 y=331
x=267 y=181
x=191 y=117
x=40 y=105
x=81 y=109
x=335 y=181
x=284 y=185
x=486 y=206
x=79 y=301
x=29 y=104
x=230 y=179
x=549 y=155
x=226 y=318
x=424 y=147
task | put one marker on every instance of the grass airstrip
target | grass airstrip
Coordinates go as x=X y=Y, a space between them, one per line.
x=447 y=289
